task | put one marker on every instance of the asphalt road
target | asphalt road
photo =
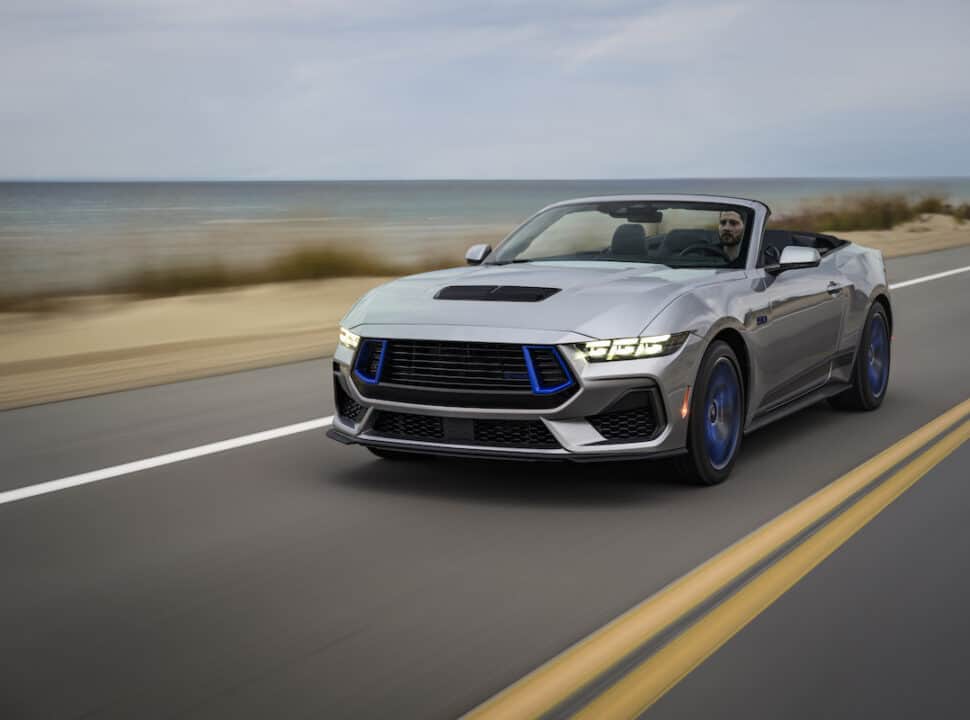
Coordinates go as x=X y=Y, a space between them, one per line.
x=301 y=578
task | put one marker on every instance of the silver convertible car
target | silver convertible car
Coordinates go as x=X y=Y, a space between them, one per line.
x=616 y=328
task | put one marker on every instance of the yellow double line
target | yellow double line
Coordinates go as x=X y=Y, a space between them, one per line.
x=557 y=680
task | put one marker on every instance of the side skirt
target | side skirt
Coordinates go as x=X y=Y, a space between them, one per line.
x=795 y=405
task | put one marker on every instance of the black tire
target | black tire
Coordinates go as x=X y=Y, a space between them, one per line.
x=385 y=454
x=866 y=393
x=710 y=453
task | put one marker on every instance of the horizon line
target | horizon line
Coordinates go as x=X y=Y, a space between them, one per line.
x=147 y=179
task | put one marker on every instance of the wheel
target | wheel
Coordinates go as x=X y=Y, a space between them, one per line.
x=870 y=373
x=385 y=454
x=716 y=418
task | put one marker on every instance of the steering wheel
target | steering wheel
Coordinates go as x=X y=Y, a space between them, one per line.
x=705 y=249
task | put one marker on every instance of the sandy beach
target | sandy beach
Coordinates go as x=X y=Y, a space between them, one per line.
x=103 y=344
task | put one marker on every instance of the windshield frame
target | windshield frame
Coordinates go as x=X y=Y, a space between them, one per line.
x=755 y=211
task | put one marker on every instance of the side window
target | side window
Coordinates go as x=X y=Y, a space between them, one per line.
x=773 y=243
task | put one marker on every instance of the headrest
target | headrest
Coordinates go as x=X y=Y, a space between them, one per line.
x=682 y=238
x=629 y=239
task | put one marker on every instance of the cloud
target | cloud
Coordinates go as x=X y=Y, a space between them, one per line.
x=171 y=88
x=666 y=35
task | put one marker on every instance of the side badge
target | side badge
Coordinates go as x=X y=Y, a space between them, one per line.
x=762 y=319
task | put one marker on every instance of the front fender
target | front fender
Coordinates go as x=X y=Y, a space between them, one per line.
x=707 y=318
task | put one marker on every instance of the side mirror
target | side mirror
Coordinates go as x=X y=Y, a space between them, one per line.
x=477 y=253
x=795 y=257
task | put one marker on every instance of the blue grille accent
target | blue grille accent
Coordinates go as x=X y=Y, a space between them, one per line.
x=473 y=370
x=540 y=378
x=370 y=360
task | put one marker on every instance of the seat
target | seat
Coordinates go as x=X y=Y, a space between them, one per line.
x=629 y=240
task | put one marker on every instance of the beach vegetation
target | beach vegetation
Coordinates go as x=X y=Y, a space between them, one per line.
x=305 y=263
x=864 y=212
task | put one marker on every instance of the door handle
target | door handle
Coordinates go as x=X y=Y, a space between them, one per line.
x=834 y=288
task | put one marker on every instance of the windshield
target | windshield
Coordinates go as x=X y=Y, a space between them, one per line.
x=688 y=235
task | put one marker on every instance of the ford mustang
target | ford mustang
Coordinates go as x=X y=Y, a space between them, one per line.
x=616 y=328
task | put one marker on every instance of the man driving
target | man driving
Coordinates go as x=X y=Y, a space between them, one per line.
x=730 y=232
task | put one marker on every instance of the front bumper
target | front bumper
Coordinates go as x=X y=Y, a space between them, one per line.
x=570 y=431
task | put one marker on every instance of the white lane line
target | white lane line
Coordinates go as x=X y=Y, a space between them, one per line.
x=233 y=443
x=159 y=460
x=927 y=278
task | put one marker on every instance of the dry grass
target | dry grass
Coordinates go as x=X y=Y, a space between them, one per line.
x=34 y=303
x=307 y=263
x=866 y=212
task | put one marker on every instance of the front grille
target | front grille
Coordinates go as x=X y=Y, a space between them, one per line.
x=526 y=434
x=347 y=407
x=408 y=426
x=465 y=374
x=514 y=433
x=458 y=365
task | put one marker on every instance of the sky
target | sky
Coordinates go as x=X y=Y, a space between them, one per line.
x=285 y=89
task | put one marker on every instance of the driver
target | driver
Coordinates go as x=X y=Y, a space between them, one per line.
x=730 y=232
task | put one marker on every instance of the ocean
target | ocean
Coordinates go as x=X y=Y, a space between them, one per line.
x=80 y=235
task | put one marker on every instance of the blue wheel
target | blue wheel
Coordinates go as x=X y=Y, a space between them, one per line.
x=870 y=374
x=877 y=355
x=716 y=420
x=722 y=411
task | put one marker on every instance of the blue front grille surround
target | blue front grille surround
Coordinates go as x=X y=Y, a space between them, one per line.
x=463 y=373
x=536 y=377
x=370 y=360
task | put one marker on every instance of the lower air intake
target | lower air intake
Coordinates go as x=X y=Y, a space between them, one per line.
x=347 y=407
x=636 y=417
x=524 y=434
x=409 y=427
x=514 y=433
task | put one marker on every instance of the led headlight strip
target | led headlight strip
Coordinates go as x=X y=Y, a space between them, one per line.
x=349 y=339
x=631 y=348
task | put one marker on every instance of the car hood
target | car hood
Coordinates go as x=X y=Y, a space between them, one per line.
x=594 y=299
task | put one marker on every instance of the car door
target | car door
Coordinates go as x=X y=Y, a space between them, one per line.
x=797 y=326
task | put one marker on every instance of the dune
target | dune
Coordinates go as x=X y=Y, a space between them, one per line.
x=927 y=233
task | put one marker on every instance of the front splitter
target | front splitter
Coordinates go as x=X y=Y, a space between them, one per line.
x=494 y=453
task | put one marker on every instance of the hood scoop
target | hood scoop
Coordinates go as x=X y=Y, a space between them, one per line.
x=503 y=293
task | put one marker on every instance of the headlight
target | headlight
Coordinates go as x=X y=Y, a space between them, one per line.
x=349 y=339
x=630 y=348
